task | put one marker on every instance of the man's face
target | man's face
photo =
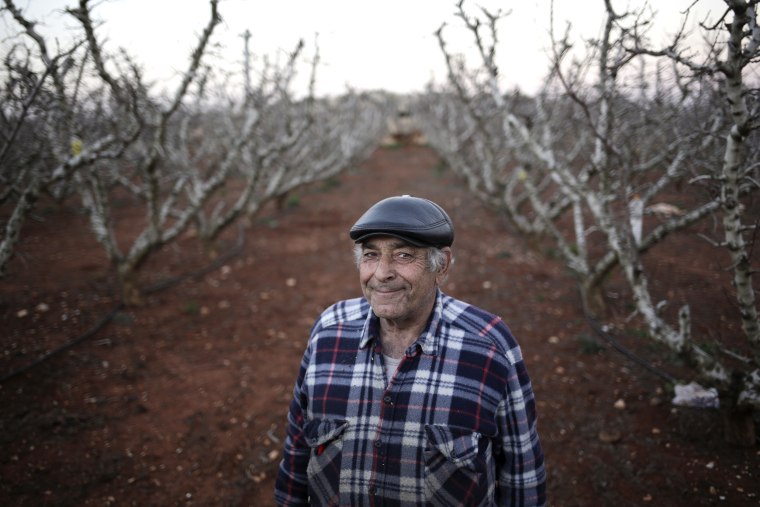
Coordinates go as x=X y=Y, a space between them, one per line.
x=396 y=280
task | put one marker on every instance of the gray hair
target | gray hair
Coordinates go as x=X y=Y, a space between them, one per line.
x=436 y=257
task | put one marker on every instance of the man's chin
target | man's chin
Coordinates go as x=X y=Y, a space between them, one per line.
x=386 y=311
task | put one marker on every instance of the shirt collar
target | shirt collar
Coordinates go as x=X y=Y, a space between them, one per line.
x=428 y=340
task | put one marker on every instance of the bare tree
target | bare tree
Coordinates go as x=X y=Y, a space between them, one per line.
x=238 y=138
x=735 y=47
x=219 y=147
x=728 y=61
x=46 y=106
x=598 y=148
x=269 y=142
x=344 y=132
x=159 y=190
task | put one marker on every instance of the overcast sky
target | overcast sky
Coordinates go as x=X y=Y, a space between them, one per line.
x=366 y=44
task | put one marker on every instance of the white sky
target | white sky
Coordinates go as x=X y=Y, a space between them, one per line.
x=366 y=44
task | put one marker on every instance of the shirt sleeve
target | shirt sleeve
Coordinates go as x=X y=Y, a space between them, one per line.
x=291 y=486
x=522 y=478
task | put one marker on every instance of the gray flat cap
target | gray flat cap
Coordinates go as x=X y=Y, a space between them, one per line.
x=417 y=221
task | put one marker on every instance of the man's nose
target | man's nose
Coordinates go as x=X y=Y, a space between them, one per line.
x=385 y=269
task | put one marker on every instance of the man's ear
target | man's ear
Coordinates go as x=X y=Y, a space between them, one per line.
x=443 y=271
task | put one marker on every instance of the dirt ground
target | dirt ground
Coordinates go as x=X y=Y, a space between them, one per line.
x=182 y=401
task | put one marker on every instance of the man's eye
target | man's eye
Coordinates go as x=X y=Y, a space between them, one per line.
x=369 y=255
x=404 y=257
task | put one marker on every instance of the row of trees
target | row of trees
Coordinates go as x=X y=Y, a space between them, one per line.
x=618 y=126
x=81 y=121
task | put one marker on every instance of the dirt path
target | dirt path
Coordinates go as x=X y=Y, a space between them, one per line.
x=183 y=401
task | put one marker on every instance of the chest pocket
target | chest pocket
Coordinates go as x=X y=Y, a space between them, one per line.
x=324 y=438
x=459 y=468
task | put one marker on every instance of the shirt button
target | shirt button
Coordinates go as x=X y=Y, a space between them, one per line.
x=378 y=443
x=388 y=400
x=372 y=490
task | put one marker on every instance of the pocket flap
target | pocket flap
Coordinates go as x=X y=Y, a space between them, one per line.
x=321 y=431
x=456 y=444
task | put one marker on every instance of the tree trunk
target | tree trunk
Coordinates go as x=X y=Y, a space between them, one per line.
x=131 y=295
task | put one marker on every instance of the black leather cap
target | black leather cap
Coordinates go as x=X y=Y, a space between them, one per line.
x=417 y=221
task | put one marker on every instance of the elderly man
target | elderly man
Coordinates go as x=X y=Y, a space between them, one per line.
x=408 y=396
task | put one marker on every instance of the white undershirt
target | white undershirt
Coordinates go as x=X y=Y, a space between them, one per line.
x=390 y=365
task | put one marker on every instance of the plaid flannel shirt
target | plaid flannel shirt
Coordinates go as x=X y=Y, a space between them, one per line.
x=455 y=425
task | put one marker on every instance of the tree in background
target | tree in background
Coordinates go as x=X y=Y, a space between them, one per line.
x=52 y=123
x=215 y=150
x=611 y=135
